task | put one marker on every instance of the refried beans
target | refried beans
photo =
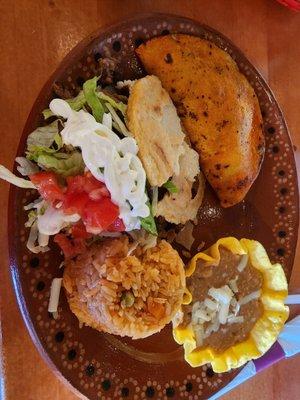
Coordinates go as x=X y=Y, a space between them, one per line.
x=248 y=281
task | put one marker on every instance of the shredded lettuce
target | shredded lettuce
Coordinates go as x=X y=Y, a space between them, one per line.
x=111 y=105
x=33 y=237
x=26 y=167
x=53 y=220
x=154 y=199
x=34 y=152
x=15 y=180
x=115 y=104
x=169 y=185
x=89 y=90
x=76 y=103
x=107 y=120
x=34 y=204
x=44 y=135
x=32 y=216
x=47 y=113
x=148 y=223
x=62 y=163
x=45 y=139
x=117 y=122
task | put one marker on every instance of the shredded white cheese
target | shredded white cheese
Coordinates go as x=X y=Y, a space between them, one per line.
x=252 y=296
x=177 y=319
x=243 y=263
x=222 y=295
x=223 y=314
x=213 y=327
x=54 y=295
x=222 y=310
x=212 y=305
x=199 y=334
x=233 y=285
x=235 y=320
x=235 y=306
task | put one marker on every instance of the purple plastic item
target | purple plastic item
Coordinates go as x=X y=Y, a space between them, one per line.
x=275 y=354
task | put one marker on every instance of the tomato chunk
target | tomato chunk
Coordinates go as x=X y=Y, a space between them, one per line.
x=83 y=195
x=90 y=199
x=97 y=194
x=117 y=226
x=99 y=215
x=75 y=203
x=85 y=183
x=47 y=185
x=78 y=231
x=70 y=248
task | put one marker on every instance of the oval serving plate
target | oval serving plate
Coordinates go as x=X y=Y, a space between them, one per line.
x=104 y=366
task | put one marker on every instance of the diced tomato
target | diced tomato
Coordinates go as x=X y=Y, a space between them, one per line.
x=117 y=226
x=86 y=196
x=70 y=248
x=85 y=183
x=75 y=203
x=47 y=185
x=65 y=244
x=90 y=199
x=73 y=244
x=99 y=215
x=97 y=194
x=75 y=183
x=78 y=231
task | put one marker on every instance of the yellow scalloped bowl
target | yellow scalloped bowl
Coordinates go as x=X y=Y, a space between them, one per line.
x=267 y=327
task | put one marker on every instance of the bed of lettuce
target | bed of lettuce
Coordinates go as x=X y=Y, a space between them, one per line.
x=46 y=151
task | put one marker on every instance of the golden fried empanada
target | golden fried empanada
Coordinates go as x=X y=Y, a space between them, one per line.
x=217 y=106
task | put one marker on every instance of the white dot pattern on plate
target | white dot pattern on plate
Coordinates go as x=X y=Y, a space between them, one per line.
x=62 y=337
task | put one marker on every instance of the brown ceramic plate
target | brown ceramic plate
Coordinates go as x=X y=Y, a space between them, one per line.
x=103 y=366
